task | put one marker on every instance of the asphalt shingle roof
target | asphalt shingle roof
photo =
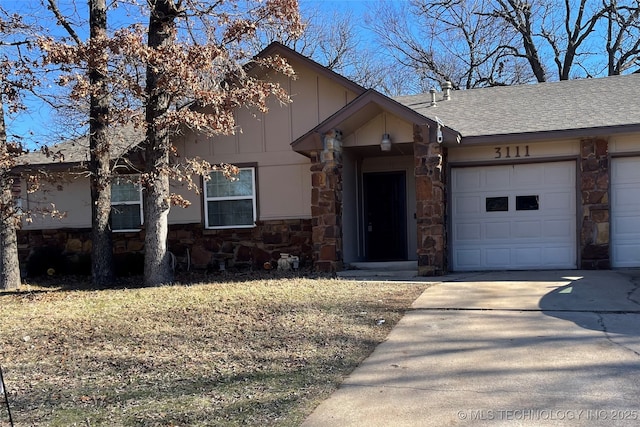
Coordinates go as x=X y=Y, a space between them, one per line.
x=542 y=107
x=123 y=139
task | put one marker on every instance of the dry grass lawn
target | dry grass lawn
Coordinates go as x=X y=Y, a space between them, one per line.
x=256 y=352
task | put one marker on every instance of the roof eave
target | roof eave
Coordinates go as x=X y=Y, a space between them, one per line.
x=547 y=135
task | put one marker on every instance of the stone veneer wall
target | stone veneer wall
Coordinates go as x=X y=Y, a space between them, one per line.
x=594 y=186
x=430 y=205
x=241 y=248
x=326 y=210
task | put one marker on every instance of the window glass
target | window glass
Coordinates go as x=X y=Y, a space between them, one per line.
x=125 y=217
x=126 y=204
x=230 y=203
x=124 y=190
x=527 y=203
x=497 y=204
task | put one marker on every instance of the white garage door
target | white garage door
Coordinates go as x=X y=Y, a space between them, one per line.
x=514 y=217
x=625 y=212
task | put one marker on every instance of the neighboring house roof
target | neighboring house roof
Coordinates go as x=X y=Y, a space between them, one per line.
x=76 y=151
x=572 y=108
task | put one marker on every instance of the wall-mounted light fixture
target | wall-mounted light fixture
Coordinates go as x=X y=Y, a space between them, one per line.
x=385 y=143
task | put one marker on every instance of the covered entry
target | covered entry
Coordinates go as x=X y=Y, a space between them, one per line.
x=514 y=217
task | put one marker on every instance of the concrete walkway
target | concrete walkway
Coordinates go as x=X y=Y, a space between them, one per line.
x=510 y=348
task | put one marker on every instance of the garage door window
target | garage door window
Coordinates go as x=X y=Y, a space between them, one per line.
x=527 y=203
x=497 y=204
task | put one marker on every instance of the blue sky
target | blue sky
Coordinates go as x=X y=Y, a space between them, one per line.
x=34 y=126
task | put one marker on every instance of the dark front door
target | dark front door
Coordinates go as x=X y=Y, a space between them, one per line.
x=385 y=213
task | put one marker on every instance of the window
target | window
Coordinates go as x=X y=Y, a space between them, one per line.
x=497 y=204
x=126 y=204
x=527 y=203
x=230 y=203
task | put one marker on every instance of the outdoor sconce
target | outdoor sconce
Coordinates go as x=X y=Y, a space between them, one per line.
x=385 y=144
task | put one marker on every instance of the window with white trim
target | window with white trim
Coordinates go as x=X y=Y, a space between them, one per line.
x=230 y=203
x=126 y=204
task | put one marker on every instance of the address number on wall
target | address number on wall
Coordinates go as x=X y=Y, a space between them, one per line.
x=511 y=152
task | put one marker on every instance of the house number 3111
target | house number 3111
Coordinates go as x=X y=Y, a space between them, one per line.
x=509 y=152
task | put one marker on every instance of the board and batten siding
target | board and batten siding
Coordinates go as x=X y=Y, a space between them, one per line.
x=284 y=177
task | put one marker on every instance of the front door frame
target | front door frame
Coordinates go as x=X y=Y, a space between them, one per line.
x=388 y=216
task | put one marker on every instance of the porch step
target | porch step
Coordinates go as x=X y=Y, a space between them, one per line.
x=395 y=269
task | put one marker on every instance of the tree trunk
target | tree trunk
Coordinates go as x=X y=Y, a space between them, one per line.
x=9 y=265
x=157 y=265
x=102 y=250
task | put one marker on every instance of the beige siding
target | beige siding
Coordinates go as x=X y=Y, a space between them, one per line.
x=289 y=195
x=370 y=133
x=506 y=152
x=304 y=94
x=70 y=195
x=627 y=143
x=284 y=178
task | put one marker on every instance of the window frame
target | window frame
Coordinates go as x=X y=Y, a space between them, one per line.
x=135 y=179
x=254 y=200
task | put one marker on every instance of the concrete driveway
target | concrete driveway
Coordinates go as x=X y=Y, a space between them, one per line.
x=509 y=348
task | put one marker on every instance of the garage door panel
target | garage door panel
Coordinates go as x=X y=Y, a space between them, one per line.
x=625 y=212
x=536 y=231
x=467 y=179
x=496 y=230
x=558 y=202
x=528 y=257
x=497 y=257
x=626 y=170
x=627 y=227
x=468 y=205
x=527 y=176
x=626 y=255
x=627 y=198
x=470 y=231
x=468 y=259
x=526 y=229
x=496 y=179
x=556 y=256
x=559 y=174
x=558 y=228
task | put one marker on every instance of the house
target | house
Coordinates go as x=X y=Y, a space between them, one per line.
x=538 y=176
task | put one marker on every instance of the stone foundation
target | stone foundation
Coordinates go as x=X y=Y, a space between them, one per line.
x=68 y=251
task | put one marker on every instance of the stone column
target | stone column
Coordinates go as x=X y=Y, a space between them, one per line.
x=430 y=204
x=594 y=186
x=326 y=204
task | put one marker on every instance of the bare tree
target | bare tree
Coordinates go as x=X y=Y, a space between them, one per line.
x=16 y=75
x=450 y=40
x=623 y=36
x=91 y=58
x=198 y=84
x=483 y=43
x=100 y=150
x=330 y=39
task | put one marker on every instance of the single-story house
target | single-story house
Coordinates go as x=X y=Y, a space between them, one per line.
x=543 y=176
